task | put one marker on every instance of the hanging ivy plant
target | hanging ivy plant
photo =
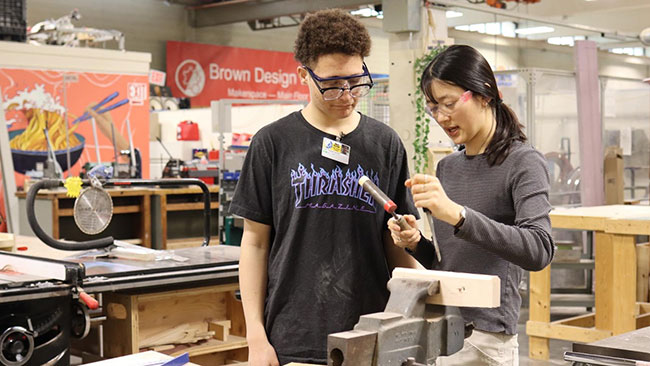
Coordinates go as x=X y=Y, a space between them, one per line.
x=421 y=142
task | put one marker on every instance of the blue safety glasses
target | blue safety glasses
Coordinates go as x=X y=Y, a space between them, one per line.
x=334 y=87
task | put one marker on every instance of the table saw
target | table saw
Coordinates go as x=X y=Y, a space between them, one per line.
x=40 y=309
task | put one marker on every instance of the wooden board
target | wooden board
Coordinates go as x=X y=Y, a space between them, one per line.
x=540 y=311
x=459 y=289
x=642 y=271
x=565 y=332
x=615 y=292
x=7 y=242
x=619 y=219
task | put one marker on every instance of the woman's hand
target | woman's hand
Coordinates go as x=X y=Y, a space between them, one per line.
x=405 y=238
x=429 y=194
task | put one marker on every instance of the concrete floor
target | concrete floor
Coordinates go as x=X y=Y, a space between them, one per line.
x=556 y=347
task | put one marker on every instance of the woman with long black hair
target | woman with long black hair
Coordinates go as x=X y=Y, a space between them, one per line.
x=490 y=199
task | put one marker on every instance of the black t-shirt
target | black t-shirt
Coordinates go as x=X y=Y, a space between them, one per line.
x=326 y=264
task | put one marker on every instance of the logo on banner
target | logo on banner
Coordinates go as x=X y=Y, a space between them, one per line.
x=190 y=78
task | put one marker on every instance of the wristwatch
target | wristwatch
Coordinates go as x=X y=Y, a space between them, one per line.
x=463 y=215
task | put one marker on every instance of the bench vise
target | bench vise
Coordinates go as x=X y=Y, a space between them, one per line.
x=409 y=332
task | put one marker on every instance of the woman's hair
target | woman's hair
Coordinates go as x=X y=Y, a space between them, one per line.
x=465 y=67
x=330 y=31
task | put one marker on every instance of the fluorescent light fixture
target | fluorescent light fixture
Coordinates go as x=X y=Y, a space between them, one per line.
x=453 y=14
x=366 y=13
x=534 y=30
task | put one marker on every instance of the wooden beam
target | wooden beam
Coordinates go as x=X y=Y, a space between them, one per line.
x=458 y=289
x=643 y=321
x=540 y=311
x=642 y=271
x=585 y=321
x=565 y=332
x=615 y=282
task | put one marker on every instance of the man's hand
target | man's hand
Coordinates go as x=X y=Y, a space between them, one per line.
x=261 y=353
x=405 y=238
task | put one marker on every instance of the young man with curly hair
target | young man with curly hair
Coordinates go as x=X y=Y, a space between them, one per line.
x=316 y=253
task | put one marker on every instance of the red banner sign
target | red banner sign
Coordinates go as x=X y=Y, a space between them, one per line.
x=205 y=72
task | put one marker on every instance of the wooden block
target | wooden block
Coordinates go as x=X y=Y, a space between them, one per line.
x=458 y=289
x=121 y=335
x=236 y=315
x=116 y=311
x=642 y=271
x=613 y=174
x=162 y=348
x=221 y=329
x=7 y=242
x=585 y=321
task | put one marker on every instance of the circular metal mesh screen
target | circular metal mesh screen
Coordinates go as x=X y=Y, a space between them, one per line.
x=93 y=210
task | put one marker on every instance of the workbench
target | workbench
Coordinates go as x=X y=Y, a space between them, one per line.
x=144 y=300
x=617 y=311
x=179 y=210
x=54 y=210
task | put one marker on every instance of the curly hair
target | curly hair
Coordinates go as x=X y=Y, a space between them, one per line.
x=330 y=31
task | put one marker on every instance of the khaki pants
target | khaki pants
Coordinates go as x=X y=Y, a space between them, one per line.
x=485 y=349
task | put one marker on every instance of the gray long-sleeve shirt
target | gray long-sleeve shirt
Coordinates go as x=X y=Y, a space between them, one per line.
x=507 y=228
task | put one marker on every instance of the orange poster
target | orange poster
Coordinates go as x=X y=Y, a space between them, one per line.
x=34 y=100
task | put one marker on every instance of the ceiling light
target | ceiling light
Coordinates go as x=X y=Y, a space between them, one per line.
x=534 y=30
x=453 y=14
x=365 y=12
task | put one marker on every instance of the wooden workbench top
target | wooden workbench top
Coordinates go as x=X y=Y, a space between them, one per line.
x=113 y=191
x=183 y=190
x=126 y=191
x=614 y=219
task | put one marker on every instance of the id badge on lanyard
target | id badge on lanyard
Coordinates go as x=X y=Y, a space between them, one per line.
x=336 y=150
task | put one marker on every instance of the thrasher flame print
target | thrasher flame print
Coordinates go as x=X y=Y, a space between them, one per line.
x=318 y=182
